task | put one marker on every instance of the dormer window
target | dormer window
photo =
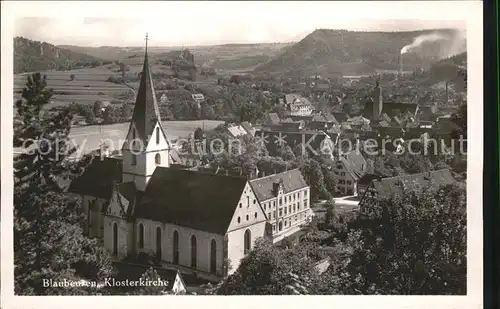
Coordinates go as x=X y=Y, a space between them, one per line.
x=157 y=136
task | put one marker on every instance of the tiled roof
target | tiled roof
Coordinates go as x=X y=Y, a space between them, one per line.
x=237 y=130
x=387 y=187
x=146 y=113
x=273 y=118
x=367 y=179
x=355 y=164
x=394 y=109
x=200 y=201
x=99 y=178
x=292 y=180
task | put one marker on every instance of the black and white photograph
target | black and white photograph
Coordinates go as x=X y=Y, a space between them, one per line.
x=242 y=148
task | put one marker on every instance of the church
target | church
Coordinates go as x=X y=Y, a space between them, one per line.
x=187 y=220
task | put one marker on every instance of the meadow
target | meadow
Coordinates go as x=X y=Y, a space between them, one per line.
x=88 y=85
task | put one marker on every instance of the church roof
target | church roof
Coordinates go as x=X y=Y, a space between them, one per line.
x=200 y=201
x=292 y=181
x=146 y=113
x=99 y=178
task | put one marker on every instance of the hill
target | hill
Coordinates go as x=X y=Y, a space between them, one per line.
x=341 y=52
x=35 y=56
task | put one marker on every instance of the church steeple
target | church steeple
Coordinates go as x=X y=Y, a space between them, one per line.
x=146 y=112
x=146 y=146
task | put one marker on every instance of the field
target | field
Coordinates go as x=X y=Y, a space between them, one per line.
x=88 y=86
x=89 y=138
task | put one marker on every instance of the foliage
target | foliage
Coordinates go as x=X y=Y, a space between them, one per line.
x=414 y=243
x=48 y=240
x=33 y=56
x=269 y=270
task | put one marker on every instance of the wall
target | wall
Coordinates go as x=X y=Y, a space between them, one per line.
x=203 y=240
x=145 y=165
x=248 y=205
x=125 y=236
x=297 y=212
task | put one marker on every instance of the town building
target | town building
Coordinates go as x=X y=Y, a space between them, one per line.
x=298 y=105
x=350 y=168
x=285 y=199
x=386 y=188
x=191 y=221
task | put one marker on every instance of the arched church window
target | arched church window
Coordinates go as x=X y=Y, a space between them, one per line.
x=157 y=159
x=175 y=247
x=193 y=252
x=158 y=243
x=213 y=256
x=115 y=239
x=247 y=241
x=141 y=236
x=157 y=136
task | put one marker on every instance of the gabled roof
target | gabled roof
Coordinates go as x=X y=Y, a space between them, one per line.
x=146 y=113
x=263 y=187
x=99 y=178
x=387 y=187
x=394 y=109
x=355 y=164
x=204 y=202
x=273 y=118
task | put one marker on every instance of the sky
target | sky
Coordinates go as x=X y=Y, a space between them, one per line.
x=209 y=23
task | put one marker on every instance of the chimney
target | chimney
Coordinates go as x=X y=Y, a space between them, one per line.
x=447 y=94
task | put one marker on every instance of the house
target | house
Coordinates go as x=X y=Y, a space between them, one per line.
x=198 y=98
x=272 y=118
x=298 y=105
x=387 y=188
x=189 y=221
x=164 y=98
x=322 y=121
x=350 y=168
x=365 y=181
x=236 y=130
x=285 y=199
x=248 y=127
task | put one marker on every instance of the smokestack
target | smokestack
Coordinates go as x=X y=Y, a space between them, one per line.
x=447 y=94
x=401 y=64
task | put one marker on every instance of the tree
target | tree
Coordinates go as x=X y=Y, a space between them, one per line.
x=460 y=120
x=97 y=108
x=198 y=134
x=151 y=275
x=413 y=243
x=48 y=240
x=269 y=270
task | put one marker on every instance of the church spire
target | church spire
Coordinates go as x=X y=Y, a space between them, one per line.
x=146 y=112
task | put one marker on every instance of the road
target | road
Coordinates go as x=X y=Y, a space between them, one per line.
x=346 y=203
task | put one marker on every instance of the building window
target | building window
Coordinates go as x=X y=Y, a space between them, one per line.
x=285 y=211
x=157 y=136
x=255 y=215
x=247 y=217
x=342 y=174
x=290 y=209
x=157 y=159
x=280 y=226
x=158 y=243
x=239 y=220
x=254 y=201
x=305 y=203
x=134 y=160
x=133 y=134
x=339 y=167
x=240 y=205
x=193 y=252
x=141 y=236
x=269 y=216
x=115 y=239
x=213 y=256
x=285 y=223
x=348 y=182
x=175 y=248
x=274 y=203
x=264 y=206
x=247 y=241
x=281 y=212
x=274 y=227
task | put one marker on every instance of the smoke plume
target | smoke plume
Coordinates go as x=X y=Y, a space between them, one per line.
x=452 y=43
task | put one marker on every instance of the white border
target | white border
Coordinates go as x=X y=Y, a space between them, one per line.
x=471 y=11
